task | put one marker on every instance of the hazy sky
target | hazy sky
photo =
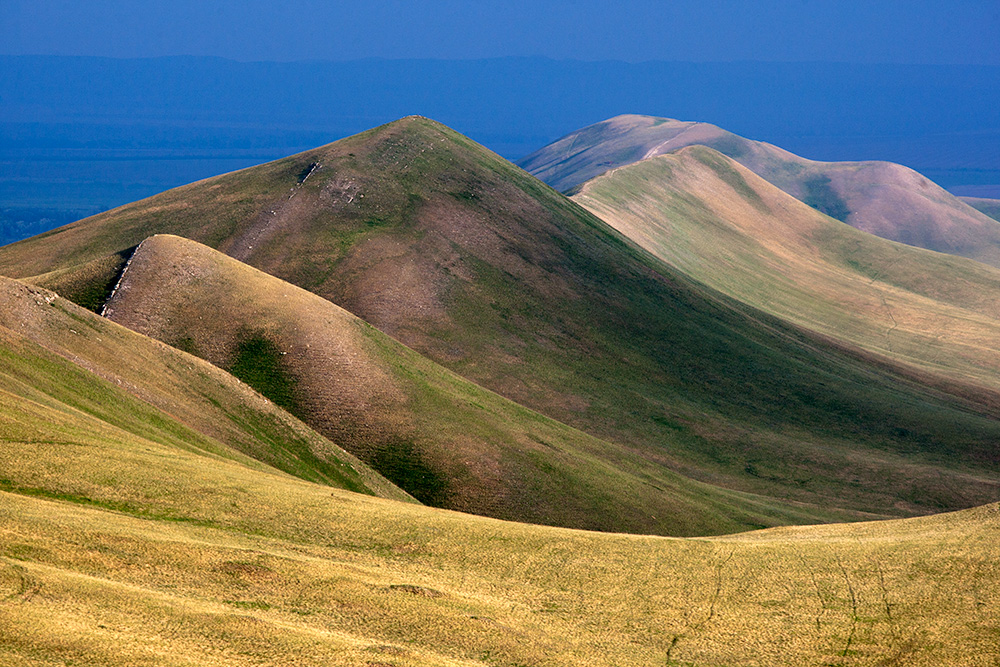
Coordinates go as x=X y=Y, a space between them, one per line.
x=888 y=31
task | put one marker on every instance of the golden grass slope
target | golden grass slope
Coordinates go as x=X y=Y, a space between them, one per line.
x=725 y=226
x=238 y=567
x=446 y=441
x=128 y=539
x=60 y=363
x=882 y=198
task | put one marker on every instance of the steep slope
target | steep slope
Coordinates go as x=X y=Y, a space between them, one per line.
x=61 y=365
x=484 y=269
x=725 y=226
x=881 y=198
x=441 y=438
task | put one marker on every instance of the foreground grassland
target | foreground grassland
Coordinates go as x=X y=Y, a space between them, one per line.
x=253 y=570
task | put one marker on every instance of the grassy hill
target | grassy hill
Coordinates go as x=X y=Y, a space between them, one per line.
x=881 y=198
x=155 y=510
x=68 y=371
x=487 y=271
x=444 y=440
x=725 y=226
x=128 y=537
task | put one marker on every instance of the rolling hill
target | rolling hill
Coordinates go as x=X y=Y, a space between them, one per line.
x=881 y=198
x=63 y=364
x=723 y=225
x=475 y=264
x=128 y=537
x=444 y=440
x=155 y=509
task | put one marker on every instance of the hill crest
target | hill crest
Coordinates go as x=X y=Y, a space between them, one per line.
x=882 y=198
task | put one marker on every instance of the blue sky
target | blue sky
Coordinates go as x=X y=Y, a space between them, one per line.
x=856 y=31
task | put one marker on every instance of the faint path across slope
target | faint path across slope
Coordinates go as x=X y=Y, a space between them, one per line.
x=270 y=220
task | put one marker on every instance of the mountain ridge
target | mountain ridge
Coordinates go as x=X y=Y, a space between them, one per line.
x=881 y=198
x=700 y=210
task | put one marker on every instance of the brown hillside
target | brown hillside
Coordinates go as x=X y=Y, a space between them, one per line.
x=443 y=439
x=57 y=355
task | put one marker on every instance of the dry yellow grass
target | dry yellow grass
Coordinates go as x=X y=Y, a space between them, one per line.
x=291 y=573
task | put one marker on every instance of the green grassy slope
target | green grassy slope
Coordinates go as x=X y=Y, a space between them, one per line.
x=128 y=538
x=484 y=269
x=720 y=223
x=441 y=438
x=60 y=364
x=881 y=198
x=157 y=558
